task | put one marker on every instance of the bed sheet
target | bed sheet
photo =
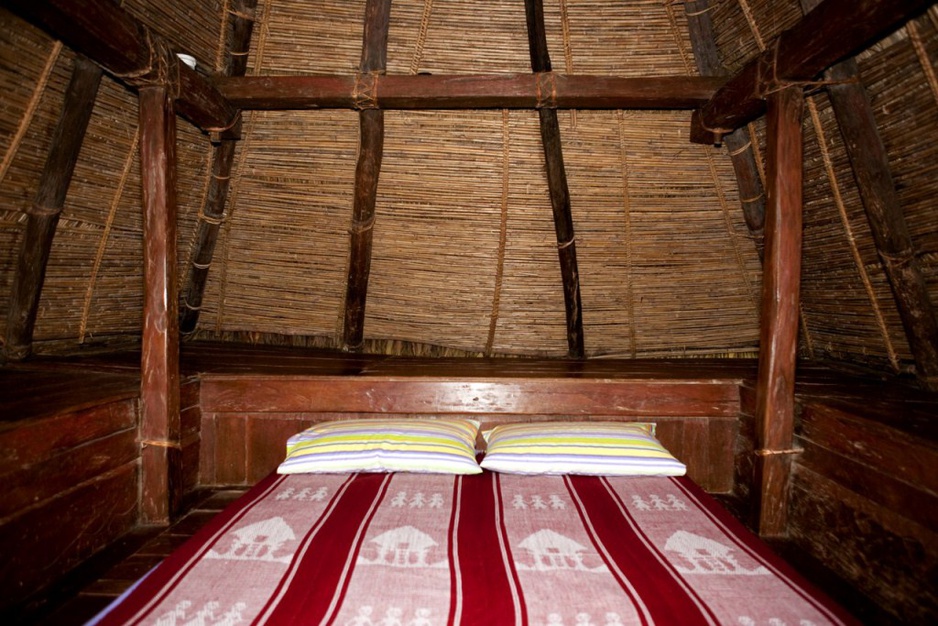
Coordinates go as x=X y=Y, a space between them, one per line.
x=420 y=549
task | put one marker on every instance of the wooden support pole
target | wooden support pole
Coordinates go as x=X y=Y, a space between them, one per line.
x=159 y=385
x=367 y=172
x=887 y=223
x=738 y=143
x=43 y=216
x=240 y=29
x=778 y=339
x=113 y=38
x=472 y=91
x=831 y=32
x=557 y=182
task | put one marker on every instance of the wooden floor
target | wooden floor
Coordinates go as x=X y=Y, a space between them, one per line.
x=98 y=582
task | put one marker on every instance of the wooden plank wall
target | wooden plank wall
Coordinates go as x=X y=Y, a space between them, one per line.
x=246 y=420
x=70 y=486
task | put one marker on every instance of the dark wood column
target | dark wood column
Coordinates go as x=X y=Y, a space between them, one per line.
x=778 y=339
x=240 y=28
x=159 y=387
x=738 y=144
x=42 y=216
x=368 y=170
x=556 y=180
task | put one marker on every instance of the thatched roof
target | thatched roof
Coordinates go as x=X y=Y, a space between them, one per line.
x=464 y=251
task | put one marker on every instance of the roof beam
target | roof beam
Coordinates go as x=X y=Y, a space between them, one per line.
x=738 y=143
x=42 y=216
x=367 y=171
x=471 y=91
x=240 y=29
x=125 y=48
x=778 y=334
x=871 y=169
x=831 y=32
x=556 y=180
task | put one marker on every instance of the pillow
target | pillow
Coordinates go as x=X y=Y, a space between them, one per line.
x=592 y=448
x=440 y=446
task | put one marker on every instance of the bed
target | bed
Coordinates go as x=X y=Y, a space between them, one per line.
x=472 y=546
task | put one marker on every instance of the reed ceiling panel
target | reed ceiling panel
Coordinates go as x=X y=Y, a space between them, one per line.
x=656 y=217
x=192 y=26
x=280 y=264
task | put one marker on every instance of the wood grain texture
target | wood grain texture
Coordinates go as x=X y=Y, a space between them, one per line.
x=42 y=216
x=833 y=31
x=159 y=387
x=778 y=338
x=471 y=91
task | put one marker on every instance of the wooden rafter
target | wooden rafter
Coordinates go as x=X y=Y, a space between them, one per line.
x=113 y=38
x=472 y=91
x=371 y=124
x=43 y=215
x=240 y=29
x=557 y=183
x=871 y=169
x=831 y=32
x=738 y=144
x=159 y=387
x=778 y=340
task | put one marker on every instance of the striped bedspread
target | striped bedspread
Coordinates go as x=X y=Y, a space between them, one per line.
x=411 y=549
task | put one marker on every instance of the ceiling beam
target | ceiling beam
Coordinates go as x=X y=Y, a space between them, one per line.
x=556 y=179
x=831 y=32
x=42 y=216
x=870 y=161
x=110 y=36
x=471 y=91
x=240 y=29
x=738 y=142
x=367 y=171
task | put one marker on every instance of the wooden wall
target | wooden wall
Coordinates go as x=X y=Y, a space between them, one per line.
x=246 y=420
x=70 y=485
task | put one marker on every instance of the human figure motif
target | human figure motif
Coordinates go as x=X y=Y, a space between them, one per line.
x=613 y=619
x=557 y=503
x=583 y=619
x=436 y=501
x=676 y=504
x=418 y=500
x=421 y=618
x=640 y=504
x=286 y=494
x=537 y=502
x=363 y=618
x=392 y=617
x=518 y=502
x=400 y=499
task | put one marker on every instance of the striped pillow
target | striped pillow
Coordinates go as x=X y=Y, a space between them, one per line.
x=591 y=448
x=438 y=446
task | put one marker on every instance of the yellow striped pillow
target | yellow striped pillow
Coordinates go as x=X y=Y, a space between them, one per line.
x=440 y=446
x=592 y=448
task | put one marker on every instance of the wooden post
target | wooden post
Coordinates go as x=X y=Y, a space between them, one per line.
x=556 y=180
x=159 y=386
x=240 y=28
x=43 y=216
x=778 y=339
x=371 y=150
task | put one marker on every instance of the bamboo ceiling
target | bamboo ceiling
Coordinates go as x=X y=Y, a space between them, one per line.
x=464 y=256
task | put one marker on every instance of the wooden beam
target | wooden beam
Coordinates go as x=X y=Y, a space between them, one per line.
x=159 y=386
x=113 y=38
x=738 y=143
x=42 y=216
x=367 y=171
x=557 y=182
x=472 y=91
x=894 y=244
x=833 y=31
x=240 y=29
x=778 y=339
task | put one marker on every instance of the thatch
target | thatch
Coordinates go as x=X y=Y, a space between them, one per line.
x=464 y=253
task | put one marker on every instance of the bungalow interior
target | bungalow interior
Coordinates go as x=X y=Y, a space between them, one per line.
x=717 y=215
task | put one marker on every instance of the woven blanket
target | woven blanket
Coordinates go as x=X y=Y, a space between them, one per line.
x=412 y=549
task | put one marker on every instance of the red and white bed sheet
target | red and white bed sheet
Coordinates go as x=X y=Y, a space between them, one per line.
x=396 y=549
